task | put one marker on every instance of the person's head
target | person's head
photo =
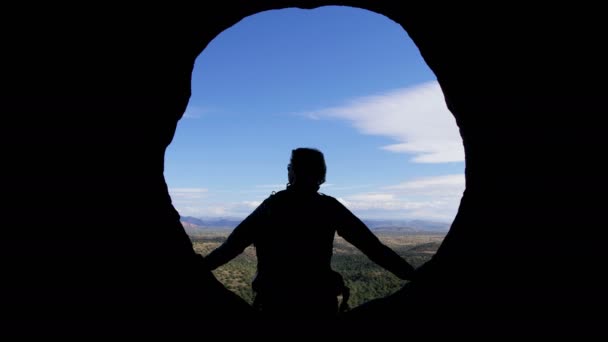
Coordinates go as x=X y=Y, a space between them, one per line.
x=306 y=168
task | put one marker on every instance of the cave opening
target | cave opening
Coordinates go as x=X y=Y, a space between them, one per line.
x=347 y=81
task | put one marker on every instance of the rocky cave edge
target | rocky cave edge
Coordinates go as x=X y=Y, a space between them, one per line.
x=93 y=244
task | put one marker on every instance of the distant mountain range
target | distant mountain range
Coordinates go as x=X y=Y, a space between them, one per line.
x=223 y=223
x=197 y=226
x=416 y=225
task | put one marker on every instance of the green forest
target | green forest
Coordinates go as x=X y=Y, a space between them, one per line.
x=365 y=279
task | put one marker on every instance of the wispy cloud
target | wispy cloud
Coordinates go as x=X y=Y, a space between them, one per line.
x=417 y=119
x=270 y=186
x=194 y=112
x=235 y=209
x=188 y=200
x=429 y=198
x=447 y=185
x=199 y=202
x=281 y=186
x=435 y=198
x=178 y=193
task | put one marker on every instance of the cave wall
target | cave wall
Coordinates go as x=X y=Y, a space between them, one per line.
x=92 y=100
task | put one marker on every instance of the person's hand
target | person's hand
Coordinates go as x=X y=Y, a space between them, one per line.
x=407 y=272
x=202 y=262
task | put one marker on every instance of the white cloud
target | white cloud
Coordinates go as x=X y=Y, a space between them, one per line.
x=430 y=198
x=270 y=186
x=187 y=193
x=282 y=186
x=198 y=202
x=194 y=112
x=187 y=200
x=372 y=197
x=227 y=209
x=250 y=204
x=447 y=185
x=417 y=118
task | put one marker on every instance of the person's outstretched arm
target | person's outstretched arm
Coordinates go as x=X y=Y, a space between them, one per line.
x=353 y=230
x=241 y=237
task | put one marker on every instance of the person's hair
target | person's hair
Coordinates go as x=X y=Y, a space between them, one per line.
x=308 y=165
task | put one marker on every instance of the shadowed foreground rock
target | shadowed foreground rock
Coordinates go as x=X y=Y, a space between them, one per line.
x=92 y=244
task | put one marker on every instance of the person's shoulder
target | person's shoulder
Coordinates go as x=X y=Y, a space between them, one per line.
x=328 y=199
x=326 y=196
x=276 y=195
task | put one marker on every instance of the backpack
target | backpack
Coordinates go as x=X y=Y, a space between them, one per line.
x=339 y=288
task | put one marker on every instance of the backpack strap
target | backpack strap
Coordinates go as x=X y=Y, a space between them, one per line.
x=345 y=297
x=341 y=289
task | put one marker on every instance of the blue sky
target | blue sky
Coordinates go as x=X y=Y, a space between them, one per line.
x=346 y=81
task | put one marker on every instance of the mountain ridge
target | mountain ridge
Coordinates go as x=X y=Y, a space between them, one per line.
x=198 y=225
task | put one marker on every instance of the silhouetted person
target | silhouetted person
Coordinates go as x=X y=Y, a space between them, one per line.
x=293 y=232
